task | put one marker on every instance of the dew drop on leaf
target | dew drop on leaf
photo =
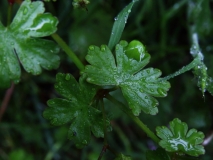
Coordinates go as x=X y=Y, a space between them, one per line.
x=54 y=121
x=152 y=90
x=148 y=71
x=67 y=77
x=52 y=102
x=103 y=48
x=91 y=48
x=84 y=142
x=161 y=92
x=25 y=10
x=56 y=86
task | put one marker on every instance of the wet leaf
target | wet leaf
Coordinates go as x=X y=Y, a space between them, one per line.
x=179 y=139
x=119 y=24
x=138 y=87
x=76 y=108
x=19 y=43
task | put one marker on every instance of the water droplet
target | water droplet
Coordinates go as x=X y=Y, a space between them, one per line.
x=161 y=92
x=91 y=48
x=129 y=11
x=147 y=71
x=103 y=48
x=54 y=121
x=25 y=10
x=56 y=86
x=84 y=142
x=115 y=18
x=152 y=90
x=146 y=97
x=31 y=5
x=52 y=102
x=67 y=77
x=112 y=33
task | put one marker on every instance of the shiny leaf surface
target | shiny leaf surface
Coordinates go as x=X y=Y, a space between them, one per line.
x=138 y=87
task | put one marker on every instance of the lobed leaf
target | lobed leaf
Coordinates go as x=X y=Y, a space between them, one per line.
x=138 y=87
x=76 y=108
x=19 y=43
x=179 y=139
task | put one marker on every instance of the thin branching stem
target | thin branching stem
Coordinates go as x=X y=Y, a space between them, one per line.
x=68 y=51
x=134 y=118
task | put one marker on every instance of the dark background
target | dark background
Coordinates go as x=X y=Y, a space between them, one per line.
x=25 y=134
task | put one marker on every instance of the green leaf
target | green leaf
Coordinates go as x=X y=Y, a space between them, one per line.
x=119 y=24
x=122 y=157
x=200 y=72
x=209 y=85
x=76 y=108
x=159 y=154
x=138 y=87
x=19 y=43
x=179 y=139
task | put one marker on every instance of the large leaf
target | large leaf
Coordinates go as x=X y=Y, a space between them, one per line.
x=19 y=43
x=138 y=87
x=179 y=139
x=76 y=108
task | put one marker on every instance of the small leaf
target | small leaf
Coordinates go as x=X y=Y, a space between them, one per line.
x=138 y=87
x=179 y=139
x=159 y=154
x=76 y=108
x=19 y=43
x=119 y=24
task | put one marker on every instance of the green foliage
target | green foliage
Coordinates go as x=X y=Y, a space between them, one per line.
x=19 y=43
x=77 y=108
x=119 y=24
x=138 y=87
x=117 y=75
x=179 y=139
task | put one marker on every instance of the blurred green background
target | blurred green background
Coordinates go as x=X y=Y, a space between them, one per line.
x=164 y=27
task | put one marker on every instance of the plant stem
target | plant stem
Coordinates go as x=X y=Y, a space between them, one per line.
x=68 y=51
x=6 y=100
x=134 y=118
x=9 y=13
x=186 y=68
x=104 y=117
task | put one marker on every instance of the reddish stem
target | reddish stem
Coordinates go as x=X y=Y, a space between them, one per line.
x=6 y=100
x=11 y=2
